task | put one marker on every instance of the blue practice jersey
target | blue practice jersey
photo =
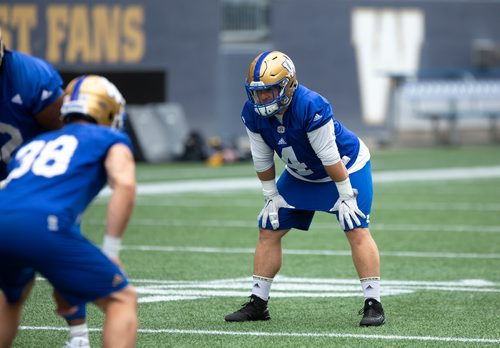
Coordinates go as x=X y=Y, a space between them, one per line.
x=27 y=86
x=60 y=172
x=308 y=111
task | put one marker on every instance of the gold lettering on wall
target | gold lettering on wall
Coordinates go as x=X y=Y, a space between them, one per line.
x=17 y=22
x=134 y=44
x=91 y=34
x=78 y=35
x=4 y=20
x=25 y=20
x=106 y=33
x=57 y=21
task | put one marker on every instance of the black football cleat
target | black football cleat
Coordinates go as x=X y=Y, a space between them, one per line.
x=255 y=309
x=373 y=313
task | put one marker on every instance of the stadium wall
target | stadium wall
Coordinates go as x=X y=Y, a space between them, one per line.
x=345 y=49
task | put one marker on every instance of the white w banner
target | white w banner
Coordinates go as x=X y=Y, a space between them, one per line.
x=387 y=41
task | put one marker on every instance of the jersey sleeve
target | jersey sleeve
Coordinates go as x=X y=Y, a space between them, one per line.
x=107 y=137
x=248 y=118
x=262 y=154
x=122 y=138
x=322 y=141
x=319 y=113
x=40 y=83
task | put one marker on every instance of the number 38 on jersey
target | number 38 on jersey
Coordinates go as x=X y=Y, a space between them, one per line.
x=47 y=159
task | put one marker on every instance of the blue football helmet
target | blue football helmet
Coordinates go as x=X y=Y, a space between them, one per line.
x=271 y=71
x=96 y=99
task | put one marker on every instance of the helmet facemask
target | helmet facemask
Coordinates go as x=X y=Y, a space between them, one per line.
x=277 y=102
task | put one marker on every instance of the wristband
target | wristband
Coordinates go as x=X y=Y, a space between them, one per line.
x=344 y=187
x=269 y=188
x=111 y=246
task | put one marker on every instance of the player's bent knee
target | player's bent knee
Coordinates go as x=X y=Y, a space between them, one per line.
x=126 y=296
x=357 y=235
x=271 y=234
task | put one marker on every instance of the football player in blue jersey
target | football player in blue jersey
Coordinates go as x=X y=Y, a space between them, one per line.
x=327 y=169
x=31 y=96
x=51 y=181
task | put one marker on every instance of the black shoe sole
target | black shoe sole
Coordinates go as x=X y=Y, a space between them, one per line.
x=244 y=320
x=372 y=324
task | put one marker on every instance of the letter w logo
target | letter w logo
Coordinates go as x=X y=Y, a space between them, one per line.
x=386 y=41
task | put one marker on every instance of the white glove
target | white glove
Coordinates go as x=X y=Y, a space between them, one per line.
x=271 y=208
x=347 y=206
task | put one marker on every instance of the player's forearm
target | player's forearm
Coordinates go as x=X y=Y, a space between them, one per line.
x=120 y=168
x=262 y=154
x=267 y=179
x=268 y=174
x=340 y=176
x=337 y=171
x=50 y=117
x=120 y=209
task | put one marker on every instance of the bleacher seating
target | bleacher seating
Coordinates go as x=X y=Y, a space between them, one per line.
x=450 y=100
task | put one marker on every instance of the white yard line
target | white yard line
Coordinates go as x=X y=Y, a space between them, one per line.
x=459 y=173
x=208 y=185
x=288 y=334
x=251 y=203
x=213 y=250
x=376 y=227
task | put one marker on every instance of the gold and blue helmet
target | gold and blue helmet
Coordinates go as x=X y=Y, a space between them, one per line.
x=274 y=71
x=95 y=99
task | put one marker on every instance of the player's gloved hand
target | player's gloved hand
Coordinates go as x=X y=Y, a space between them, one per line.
x=347 y=206
x=273 y=204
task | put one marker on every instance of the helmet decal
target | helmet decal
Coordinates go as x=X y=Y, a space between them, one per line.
x=76 y=89
x=288 y=65
x=256 y=71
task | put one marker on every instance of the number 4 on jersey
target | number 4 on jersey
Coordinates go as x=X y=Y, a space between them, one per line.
x=289 y=157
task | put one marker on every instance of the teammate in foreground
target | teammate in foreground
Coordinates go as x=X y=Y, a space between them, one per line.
x=327 y=169
x=51 y=181
x=30 y=101
x=30 y=104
